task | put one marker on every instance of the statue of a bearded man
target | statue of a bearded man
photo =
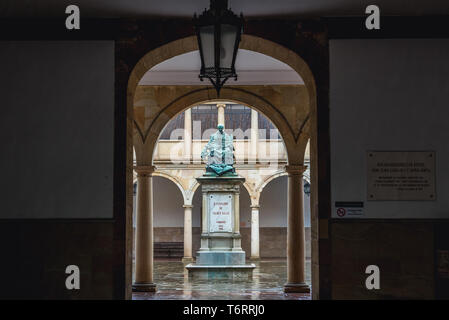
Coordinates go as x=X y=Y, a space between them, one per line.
x=220 y=154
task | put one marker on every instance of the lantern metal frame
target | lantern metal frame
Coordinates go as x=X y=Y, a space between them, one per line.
x=218 y=15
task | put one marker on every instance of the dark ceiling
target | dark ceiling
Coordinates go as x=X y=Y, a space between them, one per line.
x=250 y=8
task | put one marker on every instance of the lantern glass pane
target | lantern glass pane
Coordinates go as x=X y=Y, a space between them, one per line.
x=228 y=36
x=207 y=45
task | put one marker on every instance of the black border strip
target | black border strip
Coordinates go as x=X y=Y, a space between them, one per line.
x=390 y=27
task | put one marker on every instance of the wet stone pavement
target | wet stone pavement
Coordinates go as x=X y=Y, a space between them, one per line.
x=268 y=280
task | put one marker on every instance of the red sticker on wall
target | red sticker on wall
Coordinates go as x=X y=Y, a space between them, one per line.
x=341 y=212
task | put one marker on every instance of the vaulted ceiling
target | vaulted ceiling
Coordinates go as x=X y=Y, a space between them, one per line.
x=253 y=69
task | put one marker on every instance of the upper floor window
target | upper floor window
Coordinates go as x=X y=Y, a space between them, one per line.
x=267 y=130
x=205 y=121
x=174 y=130
x=238 y=121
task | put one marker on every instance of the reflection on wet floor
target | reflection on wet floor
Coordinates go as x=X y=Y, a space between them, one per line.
x=268 y=280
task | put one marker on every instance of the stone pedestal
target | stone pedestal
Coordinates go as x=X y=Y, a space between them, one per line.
x=221 y=255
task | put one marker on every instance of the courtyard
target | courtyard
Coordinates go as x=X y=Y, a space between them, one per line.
x=268 y=282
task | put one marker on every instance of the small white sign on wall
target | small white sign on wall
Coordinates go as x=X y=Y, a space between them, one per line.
x=220 y=212
x=401 y=175
x=347 y=209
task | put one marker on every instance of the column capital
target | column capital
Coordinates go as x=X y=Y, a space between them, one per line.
x=188 y=206
x=295 y=169
x=144 y=171
x=255 y=206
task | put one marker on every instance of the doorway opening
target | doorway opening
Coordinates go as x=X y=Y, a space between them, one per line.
x=287 y=105
x=260 y=158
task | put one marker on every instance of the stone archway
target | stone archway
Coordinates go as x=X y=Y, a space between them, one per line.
x=260 y=188
x=174 y=180
x=295 y=133
x=232 y=94
x=248 y=42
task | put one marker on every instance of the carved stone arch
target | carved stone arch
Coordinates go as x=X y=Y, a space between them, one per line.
x=252 y=193
x=190 y=193
x=232 y=94
x=265 y=182
x=296 y=145
x=248 y=42
x=277 y=174
x=137 y=147
x=174 y=180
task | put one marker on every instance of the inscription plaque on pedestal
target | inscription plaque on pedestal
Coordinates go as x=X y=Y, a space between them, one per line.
x=220 y=212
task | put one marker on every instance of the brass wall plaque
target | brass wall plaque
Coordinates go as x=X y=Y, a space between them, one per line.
x=401 y=176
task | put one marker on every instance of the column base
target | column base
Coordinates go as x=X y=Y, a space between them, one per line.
x=144 y=287
x=254 y=258
x=296 y=288
x=187 y=260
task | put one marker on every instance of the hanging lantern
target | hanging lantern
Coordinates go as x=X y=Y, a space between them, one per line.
x=306 y=188
x=218 y=32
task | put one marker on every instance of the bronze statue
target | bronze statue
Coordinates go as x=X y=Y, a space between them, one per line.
x=220 y=154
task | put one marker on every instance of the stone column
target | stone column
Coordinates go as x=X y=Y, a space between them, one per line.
x=295 y=231
x=188 y=135
x=187 y=234
x=255 y=255
x=237 y=243
x=254 y=135
x=204 y=224
x=221 y=113
x=144 y=230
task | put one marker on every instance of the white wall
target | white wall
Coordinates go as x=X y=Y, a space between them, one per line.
x=273 y=204
x=56 y=129
x=245 y=208
x=388 y=95
x=168 y=204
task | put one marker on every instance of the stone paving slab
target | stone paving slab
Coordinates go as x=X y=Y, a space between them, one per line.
x=268 y=281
